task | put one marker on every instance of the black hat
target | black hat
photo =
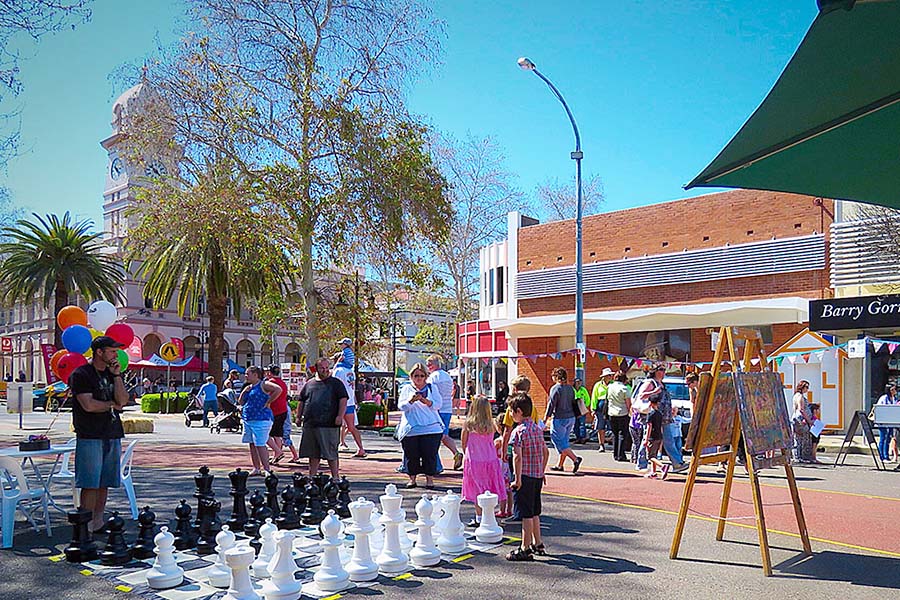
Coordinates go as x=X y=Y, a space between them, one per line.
x=104 y=341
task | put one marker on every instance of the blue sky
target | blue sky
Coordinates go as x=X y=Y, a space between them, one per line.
x=657 y=88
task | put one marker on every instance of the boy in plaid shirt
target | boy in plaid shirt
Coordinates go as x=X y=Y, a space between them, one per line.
x=530 y=458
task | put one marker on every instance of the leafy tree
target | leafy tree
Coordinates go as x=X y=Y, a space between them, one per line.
x=304 y=97
x=54 y=258
x=204 y=241
x=556 y=201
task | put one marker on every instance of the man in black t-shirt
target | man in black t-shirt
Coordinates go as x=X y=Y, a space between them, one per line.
x=100 y=396
x=323 y=402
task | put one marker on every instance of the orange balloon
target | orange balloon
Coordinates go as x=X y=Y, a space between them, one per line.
x=54 y=360
x=71 y=315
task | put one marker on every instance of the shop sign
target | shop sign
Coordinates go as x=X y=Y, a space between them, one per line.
x=6 y=345
x=856 y=348
x=866 y=312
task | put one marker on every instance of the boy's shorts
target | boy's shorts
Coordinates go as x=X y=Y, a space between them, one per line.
x=528 y=497
x=445 y=417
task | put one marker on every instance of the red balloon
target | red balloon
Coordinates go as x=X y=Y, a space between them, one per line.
x=121 y=332
x=68 y=363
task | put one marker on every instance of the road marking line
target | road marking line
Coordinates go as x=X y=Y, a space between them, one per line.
x=459 y=559
x=123 y=588
x=404 y=576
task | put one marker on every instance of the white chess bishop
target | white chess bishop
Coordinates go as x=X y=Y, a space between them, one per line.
x=266 y=551
x=165 y=572
x=488 y=532
x=425 y=554
x=219 y=573
x=283 y=585
x=452 y=540
x=361 y=566
x=392 y=559
x=239 y=560
x=331 y=576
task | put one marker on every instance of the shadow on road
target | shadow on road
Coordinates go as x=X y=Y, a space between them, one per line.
x=596 y=564
x=558 y=527
x=856 y=569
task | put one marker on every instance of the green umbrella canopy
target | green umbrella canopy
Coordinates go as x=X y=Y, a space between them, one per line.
x=830 y=127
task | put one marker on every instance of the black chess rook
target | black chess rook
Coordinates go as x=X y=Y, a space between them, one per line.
x=81 y=548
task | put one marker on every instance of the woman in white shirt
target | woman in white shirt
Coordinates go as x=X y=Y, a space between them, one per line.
x=421 y=428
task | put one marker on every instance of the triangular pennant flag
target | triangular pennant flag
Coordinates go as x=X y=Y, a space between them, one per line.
x=892 y=347
x=638 y=363
x=754 y=361
x=792 y=359
x=504 y=360
x=805 y=357
x=877 y=345
x=592 y=353
x=558 y=356
x=814 y=357
x=779 y=360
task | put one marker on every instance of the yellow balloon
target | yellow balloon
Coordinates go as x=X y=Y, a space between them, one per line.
x=88 y=354
x=95 y=334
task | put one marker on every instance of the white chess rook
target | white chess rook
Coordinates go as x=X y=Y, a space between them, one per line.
x=361 y=566
x=220 y=574
x=331 y=576
x=239 y=560
x=392 y=559
x=425 y=554
x=452 y=540
x=266 y=551
x=165 y=573
x=488 y=532
x=283 y=585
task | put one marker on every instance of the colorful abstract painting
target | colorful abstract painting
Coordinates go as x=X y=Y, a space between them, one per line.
x=720 y=425
x=765 y=422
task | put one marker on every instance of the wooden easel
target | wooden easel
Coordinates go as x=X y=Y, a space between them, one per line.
x=753 y=348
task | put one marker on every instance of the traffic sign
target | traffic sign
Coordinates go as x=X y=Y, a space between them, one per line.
x=169 y=352
x=6 y=345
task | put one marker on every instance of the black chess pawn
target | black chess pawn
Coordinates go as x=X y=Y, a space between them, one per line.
x=260 y=514
x=313 y=514
x=143 y=545
x=288 y=518
x=322 y=480
x=185 y=538
x=81 y=548
x=238 y=492
x=343 y=506
x=116 y=553
x=272 y=494
x=251 y=526
x=300 y=483
x=206 y=544
x=330 y=495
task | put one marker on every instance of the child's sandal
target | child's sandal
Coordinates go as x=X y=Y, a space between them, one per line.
x=519 y=555
x=539 y=549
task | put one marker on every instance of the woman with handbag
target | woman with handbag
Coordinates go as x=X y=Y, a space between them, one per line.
x=801 y=421
x=563 y=408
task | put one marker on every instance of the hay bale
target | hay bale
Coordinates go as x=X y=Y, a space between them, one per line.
x=137 y=425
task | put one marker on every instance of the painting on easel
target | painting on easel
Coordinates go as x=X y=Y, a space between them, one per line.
x=764 y=418
x=721 y=419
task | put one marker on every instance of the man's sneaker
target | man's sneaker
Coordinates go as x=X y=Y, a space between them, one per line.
x=457 y=461
x=681 y=468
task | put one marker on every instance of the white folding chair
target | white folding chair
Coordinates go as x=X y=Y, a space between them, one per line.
x=127 y=483
x=17 y=495
x=65 y=472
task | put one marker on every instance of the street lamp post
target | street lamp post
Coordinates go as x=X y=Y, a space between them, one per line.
x=577 y=155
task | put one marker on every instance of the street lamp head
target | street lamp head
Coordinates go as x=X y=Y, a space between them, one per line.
x=526 y=64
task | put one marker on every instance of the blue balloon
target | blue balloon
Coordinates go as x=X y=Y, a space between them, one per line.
x=76 y=338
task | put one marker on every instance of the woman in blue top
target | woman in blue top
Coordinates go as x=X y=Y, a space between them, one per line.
x=421 y=428
x=255 y=401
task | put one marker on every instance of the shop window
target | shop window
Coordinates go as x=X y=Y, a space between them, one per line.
x=500 y=282
x=491 y=287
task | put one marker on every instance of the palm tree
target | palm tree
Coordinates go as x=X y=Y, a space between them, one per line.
x=53 y=258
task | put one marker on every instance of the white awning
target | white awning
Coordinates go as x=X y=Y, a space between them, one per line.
x=744 y=313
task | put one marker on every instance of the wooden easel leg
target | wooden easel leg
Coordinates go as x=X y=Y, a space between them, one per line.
x=683 y=510
x=729 y=478
x=760 y=519
x=798 y=508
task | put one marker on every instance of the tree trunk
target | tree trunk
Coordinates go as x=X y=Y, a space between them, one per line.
x=217 y=307
x=308 y=282
x=60 y=300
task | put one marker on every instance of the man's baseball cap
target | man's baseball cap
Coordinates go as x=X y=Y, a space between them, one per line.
x=104 y=341
x=347 y=341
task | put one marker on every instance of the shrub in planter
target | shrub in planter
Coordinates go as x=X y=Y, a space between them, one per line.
x=154 y=403
x=366 y=413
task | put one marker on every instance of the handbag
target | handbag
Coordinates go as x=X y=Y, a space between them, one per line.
x=580 y=406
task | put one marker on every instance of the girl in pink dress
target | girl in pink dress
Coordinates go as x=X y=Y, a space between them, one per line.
x=482 y=471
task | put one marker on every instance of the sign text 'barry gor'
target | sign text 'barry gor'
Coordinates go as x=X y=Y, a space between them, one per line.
x=875 y=307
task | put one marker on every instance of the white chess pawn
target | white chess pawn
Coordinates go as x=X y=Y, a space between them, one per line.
x=239 y=559
x=452 y=540
x=165 y=572
x=219 y=573
x=331 y=576
x=361 y=566
x=425 y=554
x=488 y=532
x=283 y=585
x=266 y=551
x=392 y=559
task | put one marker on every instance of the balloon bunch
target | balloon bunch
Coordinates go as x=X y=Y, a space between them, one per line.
x=79 y=328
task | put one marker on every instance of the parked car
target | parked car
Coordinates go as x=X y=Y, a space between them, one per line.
x=681 y=399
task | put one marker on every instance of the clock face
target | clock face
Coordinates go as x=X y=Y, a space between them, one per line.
x=155 y=169
x=116 y=169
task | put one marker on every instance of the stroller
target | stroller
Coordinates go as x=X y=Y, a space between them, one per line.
x=194 y=410
x=229 y=417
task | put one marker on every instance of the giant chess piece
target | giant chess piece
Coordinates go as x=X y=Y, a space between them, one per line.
x=361 y=566
x=272 y=494
x=203 y=481
x=376 y=538
x=261 y=513
x=116 y=553
x=488 y=531
x=331 y=576
x=288 y=518
x=184 y=531
x=220 y=573
x=392 y=559
x=238 y=492
x=313 y=514
x=343 y=504
x=251 y=525
x=283 y=585
x=143 y=545
x=241 y=588
x=321 y=480
x=81 y=548
x=209 y=526
x=440 y=516
x=165 y=572
x=330 y=495
x=425 y=554
x=267 y=549
x=452 y=540
x=300 y=483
